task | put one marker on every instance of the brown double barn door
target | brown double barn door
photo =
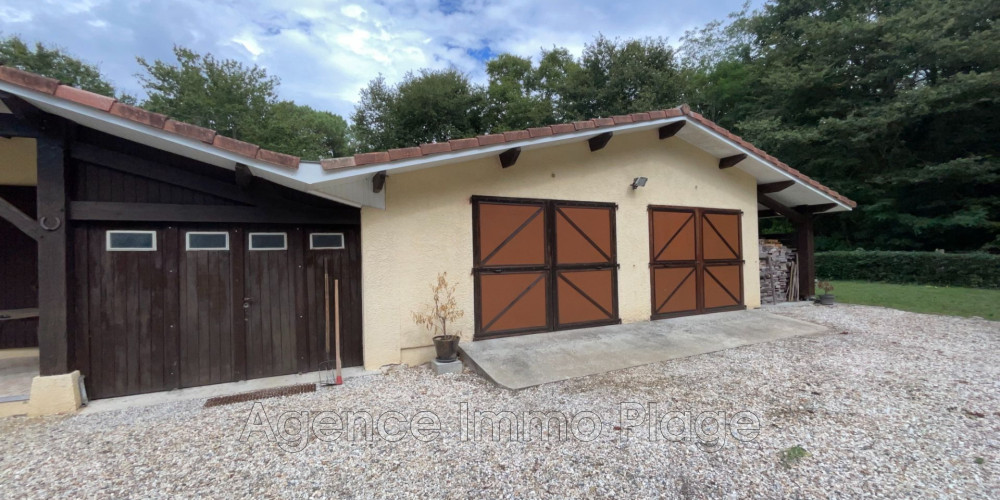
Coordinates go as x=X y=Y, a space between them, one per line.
x=696 y=262
x=174 y=316
x=543 y=265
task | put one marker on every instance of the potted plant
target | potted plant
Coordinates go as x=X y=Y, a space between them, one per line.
x=437 y=317
x=827 y=298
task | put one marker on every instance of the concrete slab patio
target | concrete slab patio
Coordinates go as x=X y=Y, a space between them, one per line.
x=530 y=360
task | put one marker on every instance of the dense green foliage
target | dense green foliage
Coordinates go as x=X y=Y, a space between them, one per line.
x=239 y=102
x=53 y=62
x=893 y=103
x=951 y=301
x=976 y=270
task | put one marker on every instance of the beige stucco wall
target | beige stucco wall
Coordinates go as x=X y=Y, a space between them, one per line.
x=427 y=226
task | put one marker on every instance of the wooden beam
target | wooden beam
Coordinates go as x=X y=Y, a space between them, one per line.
x=731 y=161
x=12 y=126
x=671 y=129
x=19 y=219
x=599 y=141
x=805 y=249
x=378 y=182
x=53 y=263
x=166 y=212
x=509 y=158
x=30 y=115
x=161 y=173
x=784 y=211
x=767 y=214
x=815 y=209
x=774 y=187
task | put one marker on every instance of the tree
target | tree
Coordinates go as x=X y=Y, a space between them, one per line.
x=222 y=95
x=240 y=102
x=892 y=103
x=53 y=62
x=617 y=77
x=515 y=100
x=431 y=106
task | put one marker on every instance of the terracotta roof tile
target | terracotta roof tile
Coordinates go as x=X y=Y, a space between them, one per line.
x=604 y=122
x=435 y=147
x=563 y=128
x=585 y=124
x=457 y=144
x=335 y=163
x=516 y=135
x=28 y=80
x=401 y=153
x=640 y=117
x=276 y=158
x=236 y=146
x=139 y=115
x=540 y=132
x=369 y=158
x=672 y=113
x=195 y=132
x=657 y=115
x=84 y=97
x=486 y=140
x=620 y=119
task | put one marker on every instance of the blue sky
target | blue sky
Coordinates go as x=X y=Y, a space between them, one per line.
x=325 y=51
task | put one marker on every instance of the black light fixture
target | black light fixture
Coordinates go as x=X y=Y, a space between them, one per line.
x=638 y=182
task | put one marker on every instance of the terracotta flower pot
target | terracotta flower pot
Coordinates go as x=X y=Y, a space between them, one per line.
x=446 y=347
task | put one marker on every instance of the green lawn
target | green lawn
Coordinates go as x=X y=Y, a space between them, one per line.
x=922 y=299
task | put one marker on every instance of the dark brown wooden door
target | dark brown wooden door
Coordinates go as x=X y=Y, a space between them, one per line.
x=543 y=265
x=207 y=331
x=695 y=261
x=344 y=268
x=269 y=281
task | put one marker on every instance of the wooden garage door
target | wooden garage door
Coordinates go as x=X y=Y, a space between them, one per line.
x=543 y=265
x=203 y=304
x=696 y=263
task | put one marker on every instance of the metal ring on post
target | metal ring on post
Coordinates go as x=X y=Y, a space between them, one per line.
x=42 y=222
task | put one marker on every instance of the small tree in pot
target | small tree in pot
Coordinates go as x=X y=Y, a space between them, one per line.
x=827 y=298
x=437 y=316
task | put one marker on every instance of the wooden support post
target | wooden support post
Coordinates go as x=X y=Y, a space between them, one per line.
x=806 y=257
x=53 y=263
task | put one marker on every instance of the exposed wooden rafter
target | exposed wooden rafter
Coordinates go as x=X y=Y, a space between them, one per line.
x=167 y=212
x=509 y=158
x=19 y=219
x=378 y=182
x=815 y=209
x=599 y=141
x=731 y=161
x=774 y=187
x=243 y=175
x=671 y=129
x=782 y=210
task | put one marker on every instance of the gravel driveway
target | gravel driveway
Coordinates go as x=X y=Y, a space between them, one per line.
x=902 y=405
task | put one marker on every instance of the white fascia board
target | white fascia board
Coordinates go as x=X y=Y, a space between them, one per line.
x=782 y=172
x=436 y=160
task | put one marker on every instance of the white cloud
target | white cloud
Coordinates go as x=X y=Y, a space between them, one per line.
x=325 y=51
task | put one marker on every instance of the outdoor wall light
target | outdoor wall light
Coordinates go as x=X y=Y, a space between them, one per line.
x=638 y=182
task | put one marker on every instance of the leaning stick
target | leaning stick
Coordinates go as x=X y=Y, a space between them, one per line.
x=336 y=326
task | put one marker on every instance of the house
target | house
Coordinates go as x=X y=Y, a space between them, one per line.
x=170 y=256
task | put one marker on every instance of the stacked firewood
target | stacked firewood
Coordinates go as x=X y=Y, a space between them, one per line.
x=777 y=272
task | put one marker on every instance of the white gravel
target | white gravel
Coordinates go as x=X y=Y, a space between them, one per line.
x=902 y=405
